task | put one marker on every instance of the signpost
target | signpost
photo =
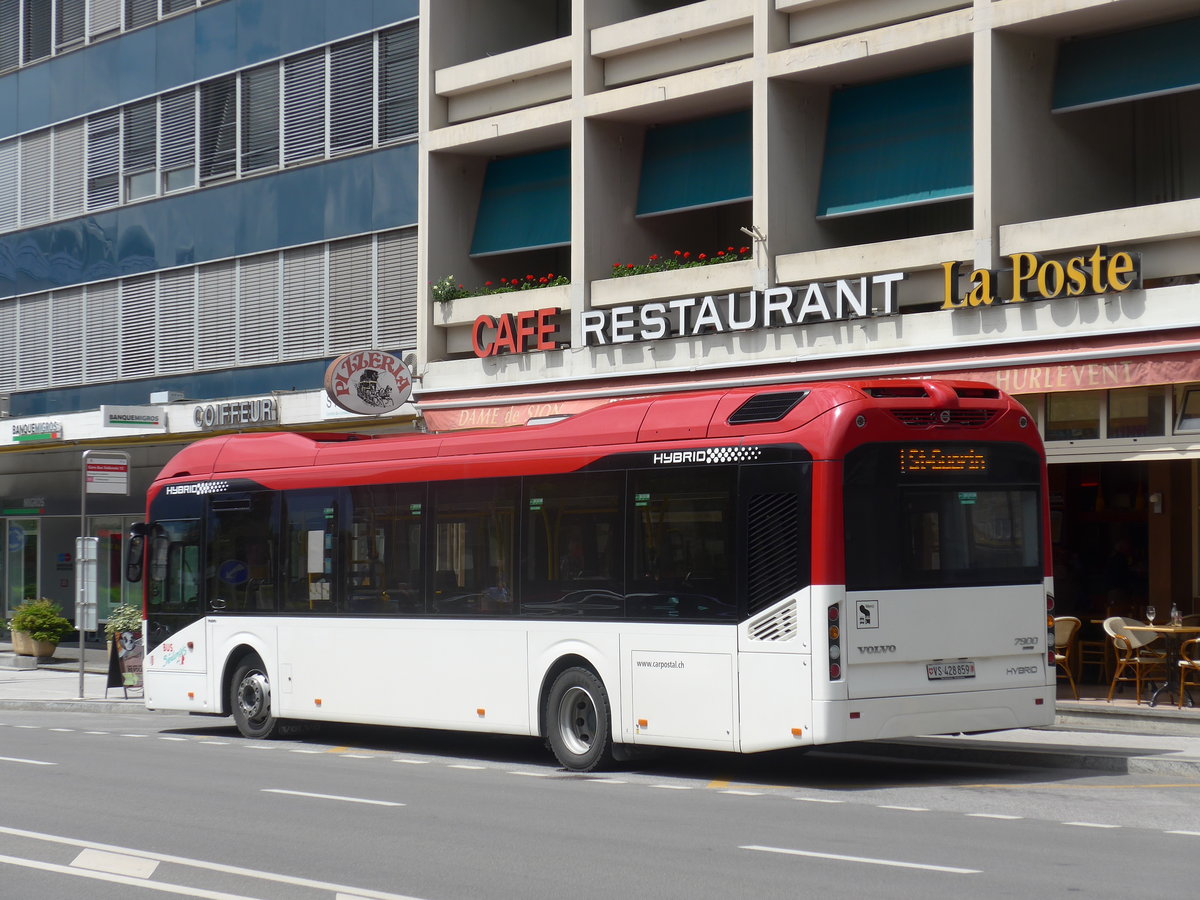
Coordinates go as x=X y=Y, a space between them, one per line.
x=104 y=472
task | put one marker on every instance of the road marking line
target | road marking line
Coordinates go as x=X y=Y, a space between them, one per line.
x=240 y=871
x=331 y=797
x=123 y=879
x=606 y=781
x=533 y=774
x=744 y=793
x=207 y=743
x=135 y=735
x=954 y=870
x=115 y=863
x=818 y=800
x=905 y=808
x=463 y=766
x=95 y=732
x=28 y=762
x=1185 y=833
x=27 y=726
x=993 y=816
x=356 y=756
x=162 y=737
x=307 y=751
x=1090 y=825
x=671 y=787
x=413 y=762
x=62 y=729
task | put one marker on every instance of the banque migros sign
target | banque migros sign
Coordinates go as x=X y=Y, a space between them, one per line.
x=1036 y=278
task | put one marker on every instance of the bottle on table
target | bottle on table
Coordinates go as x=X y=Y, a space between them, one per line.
x=1176 y=616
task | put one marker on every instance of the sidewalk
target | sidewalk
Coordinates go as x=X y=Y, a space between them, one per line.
x=1090 y=733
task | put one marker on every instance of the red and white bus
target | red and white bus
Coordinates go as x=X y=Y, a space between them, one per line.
x=740 y=569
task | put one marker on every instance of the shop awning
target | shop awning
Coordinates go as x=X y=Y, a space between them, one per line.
x=692 y=165
x=1145 y=62
x=898 y=143
x=525 y=203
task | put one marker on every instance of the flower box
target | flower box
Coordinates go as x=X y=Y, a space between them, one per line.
x=24 y=645
x=465 y=310
x=697 y=281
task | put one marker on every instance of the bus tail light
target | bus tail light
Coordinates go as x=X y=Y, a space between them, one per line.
x=835 y=642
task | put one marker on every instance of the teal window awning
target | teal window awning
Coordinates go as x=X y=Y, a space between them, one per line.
x=1144 y=62
x=898 y=143
x=692 y=165
x=525 y=203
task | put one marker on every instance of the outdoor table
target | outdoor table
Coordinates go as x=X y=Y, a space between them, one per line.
x=1173 y=633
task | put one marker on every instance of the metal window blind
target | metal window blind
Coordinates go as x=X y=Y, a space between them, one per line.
x=10 y=34
x=102 y=325
x=37 y=29
x=66 y=337
x=35 y=178
x=140 y=136
x=178 y=130
x=103 y=131
x=70 y=21
x=105 y=16
x=351 y=80
x=258 y=309
x=70 y=181
x=351 y=316
x=218 y=127
x=9 y=340
x=304 y=107
x=304 y=307
x=139 y=327
x=396 y=327
x=171 y=6
x=9 y=155
x=177 y=306
x=260 y=118
x=398 y=56
x=140 y=12
x=33 y=360
x=216 y=316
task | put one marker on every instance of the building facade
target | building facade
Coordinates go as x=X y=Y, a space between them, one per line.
x=201 y=205
x=750 y=191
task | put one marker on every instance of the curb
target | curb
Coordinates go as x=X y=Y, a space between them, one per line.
x=1062 y=757
x=83 y=705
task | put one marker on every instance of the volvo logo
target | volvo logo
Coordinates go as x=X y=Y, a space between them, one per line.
x=944 y=415
x=873 y=649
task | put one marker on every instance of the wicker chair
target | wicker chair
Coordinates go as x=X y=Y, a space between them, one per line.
x=1065 y=630
x=1134 y=662
x=1189 y=666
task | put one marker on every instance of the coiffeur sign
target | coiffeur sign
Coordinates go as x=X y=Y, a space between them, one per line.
x=369 y=382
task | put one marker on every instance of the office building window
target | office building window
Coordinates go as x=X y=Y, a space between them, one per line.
x=178 y=142
x=260 y=118
x=218 y=127
x=141 y=150
x=398 y=83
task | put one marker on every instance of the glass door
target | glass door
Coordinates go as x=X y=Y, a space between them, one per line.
x=21 y=569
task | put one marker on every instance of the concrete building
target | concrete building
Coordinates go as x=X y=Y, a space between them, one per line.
x=998 y=189
x=201 y=204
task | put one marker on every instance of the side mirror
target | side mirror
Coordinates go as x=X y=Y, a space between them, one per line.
x=135 y=552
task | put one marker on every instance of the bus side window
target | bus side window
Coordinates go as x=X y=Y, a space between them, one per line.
x=242 y=553
x=473 y=539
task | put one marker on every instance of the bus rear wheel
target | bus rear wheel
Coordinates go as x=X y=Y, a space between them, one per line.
x=578 y=722
x=250 y=700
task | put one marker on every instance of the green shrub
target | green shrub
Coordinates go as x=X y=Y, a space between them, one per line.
x=123 y=618
x=42 y=620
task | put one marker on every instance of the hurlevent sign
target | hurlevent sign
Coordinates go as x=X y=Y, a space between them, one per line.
x=369 y=382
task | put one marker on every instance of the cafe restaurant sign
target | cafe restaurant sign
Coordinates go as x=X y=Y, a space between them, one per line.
x=1030 y=277
x=845 y=298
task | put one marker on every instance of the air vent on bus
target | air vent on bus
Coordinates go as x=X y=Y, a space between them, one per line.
x=766 y=407
x=773 y=546
x=944 y=418
x=895 y=390
x=778 y=626
x=978 y=393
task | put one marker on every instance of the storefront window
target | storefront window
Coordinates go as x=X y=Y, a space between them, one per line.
x=1188 y=419
x=1135 y=412
x=1073 y=416
x=22 y=565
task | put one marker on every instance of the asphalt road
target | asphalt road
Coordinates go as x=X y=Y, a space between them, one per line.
x=149 y=804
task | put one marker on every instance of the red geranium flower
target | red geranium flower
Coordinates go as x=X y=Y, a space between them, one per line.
x=722 y=252
x=487 y=284
x=702 y=256
x=677 y=253
x=687 y=254
x=629 y=265
x=550 y=275
x=541 y=280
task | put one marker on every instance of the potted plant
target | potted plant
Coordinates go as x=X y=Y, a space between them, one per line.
x=123 y=618
x=37 y=627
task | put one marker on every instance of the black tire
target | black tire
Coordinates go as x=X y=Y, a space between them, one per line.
x=250 y=700
x=578 y=721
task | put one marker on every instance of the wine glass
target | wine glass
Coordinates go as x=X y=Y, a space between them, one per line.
x=1151 y=612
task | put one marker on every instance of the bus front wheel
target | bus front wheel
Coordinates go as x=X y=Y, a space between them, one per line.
x=250 y=700
x=578 y=723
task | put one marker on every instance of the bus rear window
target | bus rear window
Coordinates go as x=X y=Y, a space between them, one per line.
x=922 y=516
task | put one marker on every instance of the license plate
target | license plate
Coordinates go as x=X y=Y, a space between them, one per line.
x=941 y=671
